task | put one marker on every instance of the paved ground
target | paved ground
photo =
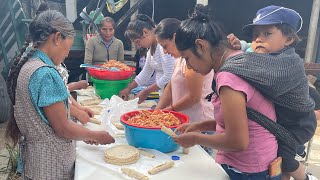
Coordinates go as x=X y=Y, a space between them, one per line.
x=313 y=163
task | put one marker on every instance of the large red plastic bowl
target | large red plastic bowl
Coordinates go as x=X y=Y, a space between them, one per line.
x=150 y=137
x=110 y=75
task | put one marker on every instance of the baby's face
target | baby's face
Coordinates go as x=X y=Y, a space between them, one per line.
x=268 y=39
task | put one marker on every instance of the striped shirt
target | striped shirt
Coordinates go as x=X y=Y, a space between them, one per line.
x=160 y=63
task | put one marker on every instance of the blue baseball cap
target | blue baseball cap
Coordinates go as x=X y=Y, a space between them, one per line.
x=275 y=15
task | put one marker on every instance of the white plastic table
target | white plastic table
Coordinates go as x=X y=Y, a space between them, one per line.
x=197 y=165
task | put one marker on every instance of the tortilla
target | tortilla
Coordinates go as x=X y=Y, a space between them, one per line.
x=168 y=131
x=161 y=167
x=147 y=104
x=118 y=125
x=145 y=153
x=122 y=155
x=95 y=121
x=90 y=102
x=134 y=174
x=96 y=109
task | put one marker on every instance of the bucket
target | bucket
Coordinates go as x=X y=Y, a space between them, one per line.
x=107 y=88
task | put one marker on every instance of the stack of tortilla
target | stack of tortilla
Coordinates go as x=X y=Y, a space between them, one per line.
x=122 y=155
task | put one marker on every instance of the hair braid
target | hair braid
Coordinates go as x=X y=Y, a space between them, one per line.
x=12 y=130
x=16 y=60
x=42 y=26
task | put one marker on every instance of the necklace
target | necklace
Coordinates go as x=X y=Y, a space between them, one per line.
x=225 y=52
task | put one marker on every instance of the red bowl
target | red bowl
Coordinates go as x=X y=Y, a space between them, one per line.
x=182 y=117
x=110 y=75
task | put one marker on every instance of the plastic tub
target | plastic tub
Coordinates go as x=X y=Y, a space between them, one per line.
x=110 y=75
x=151 y=137
x=107 y=88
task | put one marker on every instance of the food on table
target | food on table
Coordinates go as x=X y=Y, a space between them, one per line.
x=118 y=125
x=171 y=133
x=185 y=150
x=161 y=167
x=145 y=153
x=95 y=121
x=96 y=109
x=134 y=174
x=117 y=64
x=90 y=102
x=122 y=155
x=118 y=135
x=155 y=118
x=168 y=131
x=147 y=104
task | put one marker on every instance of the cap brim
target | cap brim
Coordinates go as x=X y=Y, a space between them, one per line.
x=247 y=29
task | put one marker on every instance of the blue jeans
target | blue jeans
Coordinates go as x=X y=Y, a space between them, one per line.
x=235 y=174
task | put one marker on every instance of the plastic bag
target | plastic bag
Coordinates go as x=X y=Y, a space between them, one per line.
x=117 y=108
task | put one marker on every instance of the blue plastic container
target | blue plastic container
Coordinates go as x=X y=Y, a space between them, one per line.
x=151 y=138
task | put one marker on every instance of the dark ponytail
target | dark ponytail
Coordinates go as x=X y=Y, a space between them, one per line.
x=12 y=130
x=198 y=26
x=166 y=28
x=136 y=26
x=41 y=27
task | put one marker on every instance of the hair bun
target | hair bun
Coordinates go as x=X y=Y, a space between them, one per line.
x=201 y=13
x=42 y=7
x=143 y=17
x=147 y=19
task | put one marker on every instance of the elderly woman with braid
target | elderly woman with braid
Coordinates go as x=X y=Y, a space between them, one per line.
x=40 y=119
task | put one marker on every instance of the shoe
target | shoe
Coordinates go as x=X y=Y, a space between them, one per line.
x=303 y=155
x=299 y=158
x=311 y=177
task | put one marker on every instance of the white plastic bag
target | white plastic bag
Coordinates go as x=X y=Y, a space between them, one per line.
x=117 y=108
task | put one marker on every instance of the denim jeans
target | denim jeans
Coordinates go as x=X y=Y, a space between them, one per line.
x=235 y=174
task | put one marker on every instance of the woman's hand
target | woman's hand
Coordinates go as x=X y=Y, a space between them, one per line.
x=88 y=111
x=186 y=140
x=83 y=84
x=142 y=95
x=103 y=137
x=124 y=93
x=169 y=108
x=91 y=142
x=83 y=117
x=190 y=127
